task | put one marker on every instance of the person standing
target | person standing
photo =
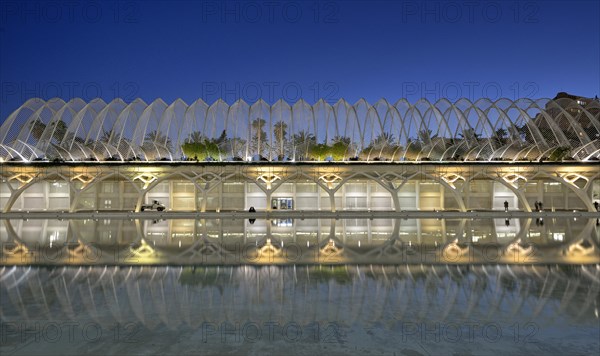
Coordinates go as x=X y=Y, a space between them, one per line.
x=506 y=205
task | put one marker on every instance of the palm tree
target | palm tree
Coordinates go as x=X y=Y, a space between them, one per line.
x=470 y=135
x=303 y=137
x=500 y=136
x=195 y=137
x=258 y=135
x=384 y=139
x=343 y=139
x=106 y=135
x=279 y=129
x=158 y=138
x=221 y=139
x=59 y=131
x=302 y=142
x=37 y=128
x=425 y=136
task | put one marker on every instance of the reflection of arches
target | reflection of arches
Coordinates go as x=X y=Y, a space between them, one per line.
x=375 y=295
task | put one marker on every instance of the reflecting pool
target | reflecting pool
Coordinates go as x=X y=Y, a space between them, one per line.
x=301 y=310
x=285 y=241
x=288 y=285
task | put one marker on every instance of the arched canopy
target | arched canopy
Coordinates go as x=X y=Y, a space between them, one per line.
x=484 y=130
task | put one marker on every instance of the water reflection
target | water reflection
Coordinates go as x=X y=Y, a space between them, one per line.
x=367 y=304
x=292 y=241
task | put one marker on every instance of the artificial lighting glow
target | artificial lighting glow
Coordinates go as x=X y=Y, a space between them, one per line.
x=571 y=178
x=146 y=178
x=451 y=178
x=269 y=250
x=330 y=178
x=581 y=247
x=144 y=250
x=23 y=178
x=83 y=178
x=511 y=178
x=516 y=248
x=268 y=179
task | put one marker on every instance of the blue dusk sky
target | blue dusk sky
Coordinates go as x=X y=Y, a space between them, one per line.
x=297 y=49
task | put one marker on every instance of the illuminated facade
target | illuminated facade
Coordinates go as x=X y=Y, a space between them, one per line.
x=422 y=156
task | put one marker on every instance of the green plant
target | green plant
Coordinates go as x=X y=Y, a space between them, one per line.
x=559 y=154
x=201 y=150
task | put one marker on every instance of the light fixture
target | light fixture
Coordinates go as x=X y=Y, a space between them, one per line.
x=451 y=178
x=571 y=178
x=268 y=179
x=24 y=178
x=511 y=178
x=330 y=178
x=146 y=178
x=83 y=178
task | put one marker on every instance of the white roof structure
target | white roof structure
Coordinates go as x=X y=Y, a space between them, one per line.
x=484 y=130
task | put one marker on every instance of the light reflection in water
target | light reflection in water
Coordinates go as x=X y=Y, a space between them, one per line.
x=329 y=241
x=180 y=301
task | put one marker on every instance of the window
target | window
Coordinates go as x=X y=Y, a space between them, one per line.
x=552 y=187
x=306 y=188
x=183 y=187
x=356 y=187
x=282 y=222
x=282 y=203
x=108 y=187
x=58 y=187
x=233 y=187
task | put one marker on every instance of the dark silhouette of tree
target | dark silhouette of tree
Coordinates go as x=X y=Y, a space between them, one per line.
x=425 y=136
x=500 y=136
x=303 y=141
x=259 y=137
x=525 y=133
x=222 y=138
x=159 y=139
x=280 y=131
x=37 y=128
x=342 y=139
x=195 y=137
x=59 y=130
x=469 y=135
x=384 y=139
